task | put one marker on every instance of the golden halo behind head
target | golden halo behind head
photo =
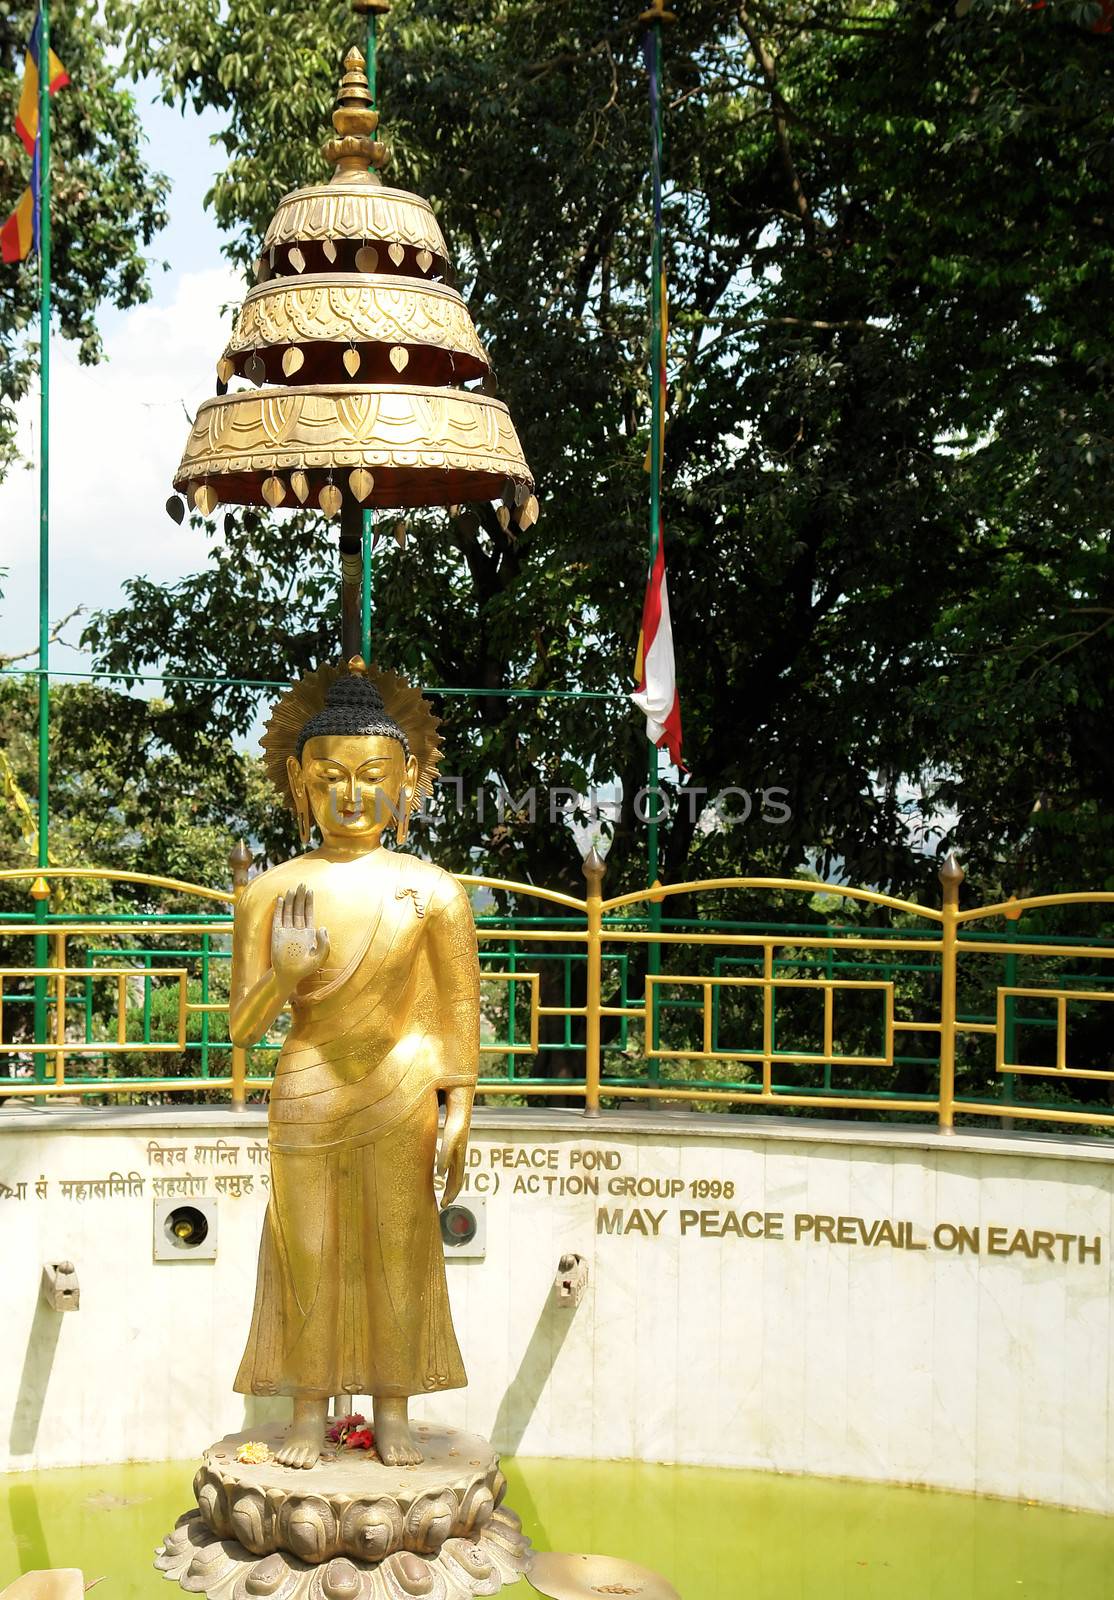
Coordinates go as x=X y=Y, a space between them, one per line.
x=401 y=701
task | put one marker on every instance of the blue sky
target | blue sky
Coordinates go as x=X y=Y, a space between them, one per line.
x=117 y=429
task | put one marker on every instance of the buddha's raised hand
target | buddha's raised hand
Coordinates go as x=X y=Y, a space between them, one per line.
x=297 y=947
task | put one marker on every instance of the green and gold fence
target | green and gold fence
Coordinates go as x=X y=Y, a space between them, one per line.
x=923 y=1011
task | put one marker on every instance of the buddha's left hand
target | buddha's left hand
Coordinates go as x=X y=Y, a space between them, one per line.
x=450 y=1157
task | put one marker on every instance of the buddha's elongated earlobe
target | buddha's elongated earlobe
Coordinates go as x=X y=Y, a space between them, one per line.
x=302 y=811
x=304 y=824
x=402 y=826
x=296 y=789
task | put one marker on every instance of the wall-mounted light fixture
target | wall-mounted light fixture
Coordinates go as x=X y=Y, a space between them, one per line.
x=464 y=1230
x=185 y=1230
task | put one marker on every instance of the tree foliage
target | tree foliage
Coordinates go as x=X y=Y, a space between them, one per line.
x=107 y=203
x=888 y=488
x=120 y=797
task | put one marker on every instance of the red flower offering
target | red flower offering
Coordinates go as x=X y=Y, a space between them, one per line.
x=340 y=1430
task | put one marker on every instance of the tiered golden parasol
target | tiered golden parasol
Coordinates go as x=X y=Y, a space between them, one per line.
x=360 y=352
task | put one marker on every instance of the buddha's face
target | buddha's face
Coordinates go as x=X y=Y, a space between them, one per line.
x=354 y=785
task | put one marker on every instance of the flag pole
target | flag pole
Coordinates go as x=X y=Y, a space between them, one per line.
x=654 y=27
x=653 y=19
x=42 y=904
x=374 y=10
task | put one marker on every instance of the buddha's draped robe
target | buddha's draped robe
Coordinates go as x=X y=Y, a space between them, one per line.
x=350 y=1295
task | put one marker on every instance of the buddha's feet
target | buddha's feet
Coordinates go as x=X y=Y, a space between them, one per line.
x=302 y=1445
x=394 y=1443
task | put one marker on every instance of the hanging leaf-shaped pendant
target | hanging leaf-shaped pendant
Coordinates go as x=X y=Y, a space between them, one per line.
x=255 y=370
x=529 y=513
x=206 y=499
x=175 y=510
x=296 y=259
x=351 y=359
x=503 y=517
x=361 y=483
x=400 y=357
x=367 y=258
x=329 y=251
x=400 y=534
x=274 y=490
x=300 y=485
x=262 y=270
x=330 y=500
x=225 y=369
x=397 y=254
x=424 y=260
x=292 y=360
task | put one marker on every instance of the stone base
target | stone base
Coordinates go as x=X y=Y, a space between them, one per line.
x=350 y=1503
x=350 y=1527
x=222 y=1568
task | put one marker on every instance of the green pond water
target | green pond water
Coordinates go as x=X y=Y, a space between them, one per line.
x=715 y=1535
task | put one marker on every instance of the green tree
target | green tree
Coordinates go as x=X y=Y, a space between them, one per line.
x=121 y=799
x=888 y=488
x=108 y=204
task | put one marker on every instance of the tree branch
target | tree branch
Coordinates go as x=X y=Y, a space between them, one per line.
x=573 y=58
x=54 y=638
x=780 y=115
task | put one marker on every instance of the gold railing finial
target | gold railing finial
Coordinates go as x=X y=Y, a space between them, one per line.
x=657 y=13
x=951 y=870
x=594 y=866
x=239 y=864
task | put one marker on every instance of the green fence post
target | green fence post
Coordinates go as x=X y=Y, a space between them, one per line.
x=1009 y=1042
x=204 y=1002
x=594 y=868
x=512 y=1005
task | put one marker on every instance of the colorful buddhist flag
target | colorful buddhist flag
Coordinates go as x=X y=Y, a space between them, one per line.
x=27 y=115
x=655 y=668
x=20 y=233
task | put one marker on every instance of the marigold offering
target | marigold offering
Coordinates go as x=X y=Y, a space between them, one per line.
x=253 y=1453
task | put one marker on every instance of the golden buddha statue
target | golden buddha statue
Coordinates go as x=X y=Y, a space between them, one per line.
x=375 y=952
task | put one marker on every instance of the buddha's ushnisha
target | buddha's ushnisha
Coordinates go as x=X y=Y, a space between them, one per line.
x=375 y=951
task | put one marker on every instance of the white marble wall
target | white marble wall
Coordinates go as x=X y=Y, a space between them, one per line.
x=986 y=1372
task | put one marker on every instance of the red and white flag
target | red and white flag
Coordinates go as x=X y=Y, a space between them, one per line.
x=655 y=670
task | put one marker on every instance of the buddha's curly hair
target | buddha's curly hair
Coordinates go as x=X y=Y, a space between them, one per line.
x=353 y=706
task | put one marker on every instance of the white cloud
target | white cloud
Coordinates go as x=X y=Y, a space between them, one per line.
x=116 y=436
